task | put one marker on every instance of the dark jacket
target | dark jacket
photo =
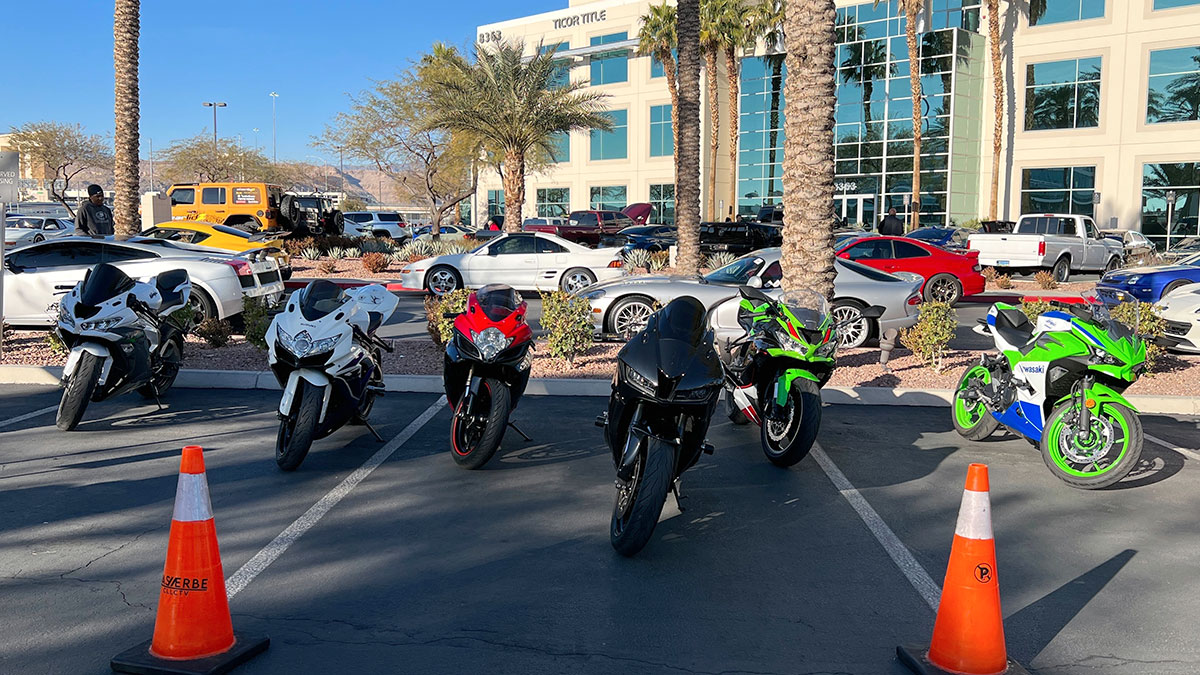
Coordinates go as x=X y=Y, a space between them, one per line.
x=892 y=226
x=93 y=220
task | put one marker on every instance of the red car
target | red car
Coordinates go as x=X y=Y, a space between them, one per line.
x=948 y=276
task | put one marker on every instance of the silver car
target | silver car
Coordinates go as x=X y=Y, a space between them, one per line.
x=620 y=307
x=21 y=230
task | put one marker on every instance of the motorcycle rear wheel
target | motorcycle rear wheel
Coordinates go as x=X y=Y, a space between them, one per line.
x=735 y=413
x=785 y=442
x=297 y=429
x=80 y=387
x=972 y=420
x=472 y=443
x=1113 y=424
x=640 y=502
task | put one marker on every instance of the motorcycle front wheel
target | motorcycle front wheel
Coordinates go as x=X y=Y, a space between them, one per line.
x=788 y=439
x=475 y=433
x=1106 y=453
x=297 y=429
x=971 y=418
x=78 y=391
x=640 y=501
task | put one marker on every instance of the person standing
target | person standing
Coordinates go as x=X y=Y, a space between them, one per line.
x=94 y=218
x=891 y=224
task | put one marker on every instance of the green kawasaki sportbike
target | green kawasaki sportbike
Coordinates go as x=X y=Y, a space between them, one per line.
x=775 y=371
x=1059 y=384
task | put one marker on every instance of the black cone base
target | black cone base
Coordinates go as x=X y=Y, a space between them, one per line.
x=917 y=659
x=139 y=660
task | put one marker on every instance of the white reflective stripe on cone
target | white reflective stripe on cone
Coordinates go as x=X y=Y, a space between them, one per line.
x=191 y=498
x=974 y=516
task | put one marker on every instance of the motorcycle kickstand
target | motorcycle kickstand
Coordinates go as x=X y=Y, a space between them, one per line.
x=372 y=430
x=677 y=490
x=518 y=430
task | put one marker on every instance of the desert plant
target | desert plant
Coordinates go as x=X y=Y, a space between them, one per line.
x=440 y=328
x=659 y=261
x=971 y=224
x=311 y=253
x=1035 y=308
x=255 y=320
x=567 y=321
x=1045 y=279
x=336 y=253
x=1143 y=318
x=354 y=252
x=374 y=262
x=184 y=317
x=296 y=246
x=415 y=250
x=327 y=267
x=56 y=345
x=1003 y=281
x=930 y=336
x=215 y=332
x=635 y=259
x=989 y=274
x=717 y=260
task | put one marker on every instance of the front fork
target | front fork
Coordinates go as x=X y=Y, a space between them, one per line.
x=1085 y=412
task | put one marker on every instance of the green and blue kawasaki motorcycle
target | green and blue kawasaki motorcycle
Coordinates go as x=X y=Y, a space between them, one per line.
x=1059 y=383
x=775 y=371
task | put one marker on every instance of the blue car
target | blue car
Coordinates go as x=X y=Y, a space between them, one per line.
x=652 y=238
x=1148 y=284
x=946 y=237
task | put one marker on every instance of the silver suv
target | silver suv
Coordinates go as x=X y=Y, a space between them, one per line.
x=378 y=224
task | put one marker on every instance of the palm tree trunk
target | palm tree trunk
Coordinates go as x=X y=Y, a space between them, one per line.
x=808 y=146
x=667 y=59
x=687 y=164
x=514 y=189
x=912 y=10
x=714 y=131
x=126 y=26
x=997 y=100
x=733 y=72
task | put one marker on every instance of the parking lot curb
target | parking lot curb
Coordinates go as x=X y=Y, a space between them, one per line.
x=30 y=374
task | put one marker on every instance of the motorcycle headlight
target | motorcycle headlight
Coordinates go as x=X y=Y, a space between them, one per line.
x=697 y=394
x=302 y=343
x=638 y=380
x=101 y=325
x=490 y=342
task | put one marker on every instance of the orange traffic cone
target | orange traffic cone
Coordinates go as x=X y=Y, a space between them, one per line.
x=193 y=632
x=968 y=633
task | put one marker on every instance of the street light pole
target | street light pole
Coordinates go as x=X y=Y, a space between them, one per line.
x=151 y=141
x=255 y=130
x=341 y=171
x=274 y=151
x=214 y=105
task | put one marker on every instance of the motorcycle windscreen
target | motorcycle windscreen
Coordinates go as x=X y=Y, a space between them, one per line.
x=102 y=283
x=319 y=298
x=498 y=301
x=682 y=329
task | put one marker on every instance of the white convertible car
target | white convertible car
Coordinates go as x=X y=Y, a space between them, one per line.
x=1181 y=311
x=38 y=274
x=532 y=261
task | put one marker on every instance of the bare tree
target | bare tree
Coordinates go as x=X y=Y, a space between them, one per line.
x=63 y=151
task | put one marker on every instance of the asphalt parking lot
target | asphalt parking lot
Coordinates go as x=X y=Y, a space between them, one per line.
x=423 y=567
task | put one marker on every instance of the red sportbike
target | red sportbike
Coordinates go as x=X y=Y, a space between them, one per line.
x=486 y=370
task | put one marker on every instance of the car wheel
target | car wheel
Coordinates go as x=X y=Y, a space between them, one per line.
x=1113 y=265
x=629 y=315
x=576 y=279
x=853 y=328
x=37 y=238
x=943 y=288
x=1062 y=270
x=202 y=305
x=1173 y=286
x=442 y=280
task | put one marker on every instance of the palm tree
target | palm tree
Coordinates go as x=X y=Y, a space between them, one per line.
x=510 y=101
x=808 y=146
x=710 y=44
x=126 y=26
x=993 y=9
x=912 y=10
x=736 y=32
x=656 y=38
x=767 y=23
x=687 y=119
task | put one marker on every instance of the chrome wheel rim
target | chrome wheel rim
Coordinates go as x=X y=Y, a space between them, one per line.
x=631 y=318
x=851 y=334
x=442 y=282
x=577 y=281
x=199 y=312
x=943 y=290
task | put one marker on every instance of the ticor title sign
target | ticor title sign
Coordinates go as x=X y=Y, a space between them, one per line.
x=581 y=19
x=8 y=177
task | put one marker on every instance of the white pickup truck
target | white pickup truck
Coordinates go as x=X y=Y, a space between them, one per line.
x=1060 y=242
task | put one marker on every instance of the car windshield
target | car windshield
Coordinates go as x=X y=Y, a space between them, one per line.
x=807 y=307
x=308 y=202
x=736 y=272
x=103 y=282
x=24 y=223
x=1186 y=244
x=929 y=234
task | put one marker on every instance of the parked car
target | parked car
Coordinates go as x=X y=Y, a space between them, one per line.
x=252 y=207
x=739 y=237
x=312 y=215
x=948 y=276
x=1181 y=249
x=38 y=274
x=652 y=238
x=771 y=214
x=1134 y=242
x=21 y=230
x=445 y=232
x=1180 y=310
x=378 y=224
x=1148 y=284
x=595 y=226
x=1062 y=243
x=523 y=260
x=225 y=238
x=621 y=307
x=950 y=238
x=548 y=220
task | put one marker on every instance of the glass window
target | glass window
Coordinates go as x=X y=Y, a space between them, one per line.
x=903 y=249
x=495 y=203
x=212 y=195
x=67 y=254
x=1058 y=190
x=184 y=196
x=610 y=67
x=876 y=249
x=513 y=246
x=584 y=218
x=547 y=246
x=116 y=254
x=1062 y=94
x=1060 y=11
x=1170 y=202
x=1171 y=4
x=772 y=275
x=1174 y=88
x=608 y=197
x=662 y=198
x=562 y=68
x=662 y=138
x=553 y=202
x=612 y=144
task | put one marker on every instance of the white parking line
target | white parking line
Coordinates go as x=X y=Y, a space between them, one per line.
x=28 y=416
x=1183 y=451
x=917 y=576
x=261 y=560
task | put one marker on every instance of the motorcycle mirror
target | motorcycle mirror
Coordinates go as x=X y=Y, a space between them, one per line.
x=754 y=282
x=873 y=312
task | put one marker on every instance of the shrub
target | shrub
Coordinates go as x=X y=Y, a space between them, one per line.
x=1003 y=281
x=297 y=245
x=931 y=335
x=311 y=253
x=638 y=258
x=327 y=266
x=1035 y=308
x=336 y=253
x=567 y=321
x=716 y=260
x=56 y=345
x=374 y=262
x=972 y=224
x=1045 y=279
x=184 y=317
x=659 y=260
x=989 y=274
x=256 y=320
x=440 y=328
x=1143 y=319
x=215 y=332
x=354 y=252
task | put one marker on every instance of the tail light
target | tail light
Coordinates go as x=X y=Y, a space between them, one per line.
x=240 y=267
x=615 y=262
x=1042 y=247
x=914 y=299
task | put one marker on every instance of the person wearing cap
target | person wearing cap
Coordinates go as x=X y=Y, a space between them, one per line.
x=94 y=218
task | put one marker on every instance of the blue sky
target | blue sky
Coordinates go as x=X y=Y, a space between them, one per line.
x=312 y=53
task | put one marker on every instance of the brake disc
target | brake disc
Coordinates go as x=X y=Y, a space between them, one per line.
x=1094 y=448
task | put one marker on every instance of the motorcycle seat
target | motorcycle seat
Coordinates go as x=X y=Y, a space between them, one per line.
x=374 y=321
x=166 y=283
x=1015 y=328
